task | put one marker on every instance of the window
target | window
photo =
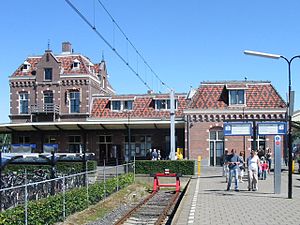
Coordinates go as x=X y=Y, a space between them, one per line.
x=24 y=140
x=25 y=66
x=76 y=64
x=105 y=139
x=236 y=97
x=164 y=104
x=74 y=144
x=116 y=105
x=50 y=139
x=128 y=105
x=139 y=146
x=74 y=101
x=48 y=97
x=48 y=74
x=23 y=98
x=260 y=143
x=216 y=146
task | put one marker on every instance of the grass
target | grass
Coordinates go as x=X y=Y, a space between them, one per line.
x=133 y=194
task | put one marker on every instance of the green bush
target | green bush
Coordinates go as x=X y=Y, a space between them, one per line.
x=50 y=210
x=184 y=167
x=61 y=167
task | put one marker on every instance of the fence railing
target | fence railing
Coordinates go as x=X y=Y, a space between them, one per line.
x=22 y=194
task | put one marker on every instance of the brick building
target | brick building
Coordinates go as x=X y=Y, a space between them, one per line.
x=66 y=101
x=216 y=102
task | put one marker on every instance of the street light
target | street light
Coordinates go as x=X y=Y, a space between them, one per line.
x=289 y=119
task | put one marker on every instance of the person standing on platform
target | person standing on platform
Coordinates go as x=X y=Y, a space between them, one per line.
x=225 y=166
x=242 y=166
x=269 y=158
x=154 y=154
x=233 y=160
x=253 y=164
x=264 y=169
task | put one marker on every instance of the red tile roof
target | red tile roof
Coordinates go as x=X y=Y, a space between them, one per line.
x=143 y=107
x=66 y=64
x=259 y=95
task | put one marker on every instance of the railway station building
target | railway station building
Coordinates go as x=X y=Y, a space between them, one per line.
x=65 y=102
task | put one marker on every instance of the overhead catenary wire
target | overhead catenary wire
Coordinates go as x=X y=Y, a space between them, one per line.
x=135 y=49
x=172 y=99
x=107 y=43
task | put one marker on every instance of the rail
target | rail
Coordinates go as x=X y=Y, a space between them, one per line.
x=45 y=108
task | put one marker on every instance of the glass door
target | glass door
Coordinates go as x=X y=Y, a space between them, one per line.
x=216 y=147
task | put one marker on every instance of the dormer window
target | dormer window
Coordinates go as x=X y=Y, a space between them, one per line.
x=26 y=66
x=164 y=104
x=128 y=105
x=48 y=74
x=118 y=105
x=75 y=64
x=236 y=97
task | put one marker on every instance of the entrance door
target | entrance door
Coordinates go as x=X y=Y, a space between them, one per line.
x=105 y=150
x=216 y=146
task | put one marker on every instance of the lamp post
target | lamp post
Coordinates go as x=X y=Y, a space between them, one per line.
x=289 y=117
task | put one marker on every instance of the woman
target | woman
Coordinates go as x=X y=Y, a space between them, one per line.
x=253 y=164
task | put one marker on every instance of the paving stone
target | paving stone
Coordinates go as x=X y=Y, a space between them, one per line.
x=215 y=205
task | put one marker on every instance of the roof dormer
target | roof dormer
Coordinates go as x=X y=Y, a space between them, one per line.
x=26 y=66
x=75 y=64
x=237 y=94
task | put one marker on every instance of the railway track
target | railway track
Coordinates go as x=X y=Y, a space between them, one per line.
x=155 y=209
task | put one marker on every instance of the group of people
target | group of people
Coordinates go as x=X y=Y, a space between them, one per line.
x=155 y=154
x=234 y=166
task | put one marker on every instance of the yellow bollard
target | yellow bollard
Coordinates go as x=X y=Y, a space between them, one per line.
x=199 y=165
x=293 y=166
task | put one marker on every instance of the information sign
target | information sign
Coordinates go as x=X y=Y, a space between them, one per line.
x=274 y=128
x=237 y=129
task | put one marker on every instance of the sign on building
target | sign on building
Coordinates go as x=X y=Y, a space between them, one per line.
x=274 y=128
x=237 y=129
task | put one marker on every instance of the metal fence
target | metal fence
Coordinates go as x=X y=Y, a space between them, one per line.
x=21 y=195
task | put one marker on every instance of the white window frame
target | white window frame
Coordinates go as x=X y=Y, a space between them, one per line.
x=237 y=90
x=45 y=73
x=167 y=104
x=45 y=93
x=111 y=105
x=27 y=64
x=77 y=63
x=70 y=100
x=22 y=99
x=123 y=105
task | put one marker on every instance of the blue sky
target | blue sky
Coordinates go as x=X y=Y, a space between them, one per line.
x=185 y=42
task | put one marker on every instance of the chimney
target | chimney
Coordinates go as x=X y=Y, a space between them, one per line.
x=66 y=48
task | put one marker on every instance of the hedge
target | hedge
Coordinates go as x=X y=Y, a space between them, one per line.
x=183 y=167
x=50 y=210
x=61 y=167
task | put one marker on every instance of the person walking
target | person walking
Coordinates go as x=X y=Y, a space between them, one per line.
x=253 y=164
x=233 y=161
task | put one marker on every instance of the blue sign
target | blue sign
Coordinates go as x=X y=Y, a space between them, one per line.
x=237 y=129
x=272 y=128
